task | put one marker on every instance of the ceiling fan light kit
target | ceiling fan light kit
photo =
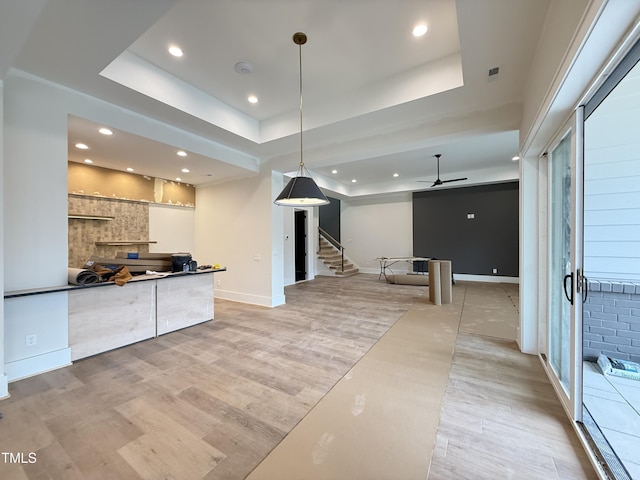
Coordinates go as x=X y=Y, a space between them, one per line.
x=301 y=191
x=438 y=181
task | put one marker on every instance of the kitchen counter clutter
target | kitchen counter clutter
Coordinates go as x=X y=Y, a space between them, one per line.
x=137 y=278
x=101 y=317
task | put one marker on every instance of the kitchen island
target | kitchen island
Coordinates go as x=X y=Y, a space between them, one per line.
x=101 y=317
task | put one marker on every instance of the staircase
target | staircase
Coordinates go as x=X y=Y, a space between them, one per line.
x=332 y=258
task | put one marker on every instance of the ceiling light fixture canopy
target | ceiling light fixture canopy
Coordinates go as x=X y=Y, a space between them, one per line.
x=301 y=191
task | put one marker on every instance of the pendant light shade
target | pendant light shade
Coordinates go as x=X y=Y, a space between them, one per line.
x=301 y=191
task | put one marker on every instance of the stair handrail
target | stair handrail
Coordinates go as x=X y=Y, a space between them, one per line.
x=334 y=242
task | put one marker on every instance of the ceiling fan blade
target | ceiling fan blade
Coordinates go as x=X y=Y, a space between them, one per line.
x=454 y=180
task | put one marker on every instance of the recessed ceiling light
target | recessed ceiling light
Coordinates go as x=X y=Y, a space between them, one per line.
x=105 y=131
x=334 y=171
x=175 y=51
x=185 y=170
x=178 y=179
x=516 y=158
x=252 y=99
x=395 y=175
x=353 y=181
x=81 y=146
x=88 y=160
x=181 y=153
x=419 y=30
x=129 y=169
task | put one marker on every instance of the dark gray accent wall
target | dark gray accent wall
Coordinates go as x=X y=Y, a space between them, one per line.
x=329 y=218
x=442 y=229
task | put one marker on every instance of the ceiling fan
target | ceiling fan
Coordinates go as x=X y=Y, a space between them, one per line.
x=438 y=181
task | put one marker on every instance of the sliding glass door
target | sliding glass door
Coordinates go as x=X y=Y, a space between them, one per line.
x=612 y=262
x=565 y=286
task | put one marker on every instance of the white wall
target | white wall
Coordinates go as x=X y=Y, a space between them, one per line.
x=173 y=228
x=234 y=228
x=35 y=222
x=376 y=227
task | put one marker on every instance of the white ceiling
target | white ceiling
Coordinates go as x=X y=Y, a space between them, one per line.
x=377 y=101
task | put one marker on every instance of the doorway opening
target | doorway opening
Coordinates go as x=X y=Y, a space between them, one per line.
x=300 y=242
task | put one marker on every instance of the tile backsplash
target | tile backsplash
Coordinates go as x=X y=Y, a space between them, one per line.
x=130 y=223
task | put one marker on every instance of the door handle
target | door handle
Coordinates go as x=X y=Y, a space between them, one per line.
x=567 y=294
x=583 y=282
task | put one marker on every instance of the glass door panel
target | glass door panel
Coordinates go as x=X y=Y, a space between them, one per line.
x=560 y=268
x=565 y=281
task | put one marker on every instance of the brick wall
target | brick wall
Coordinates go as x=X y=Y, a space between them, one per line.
x=611 y=318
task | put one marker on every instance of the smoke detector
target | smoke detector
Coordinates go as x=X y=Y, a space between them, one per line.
x=243 y=67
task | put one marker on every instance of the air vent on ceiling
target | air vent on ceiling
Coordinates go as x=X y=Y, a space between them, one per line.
x=494 y=71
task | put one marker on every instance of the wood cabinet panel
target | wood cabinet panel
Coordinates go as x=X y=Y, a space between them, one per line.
x=105 y=318
x=184 y=301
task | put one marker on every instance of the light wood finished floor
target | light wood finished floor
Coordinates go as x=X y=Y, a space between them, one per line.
x=212 y=401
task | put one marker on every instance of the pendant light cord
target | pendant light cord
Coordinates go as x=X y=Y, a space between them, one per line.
x=300 y=65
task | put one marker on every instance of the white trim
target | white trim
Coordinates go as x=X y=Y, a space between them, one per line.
x=263 y=301
x=4 y=387
x=465 y=277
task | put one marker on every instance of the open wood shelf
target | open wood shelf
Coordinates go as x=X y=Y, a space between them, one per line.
x=125 y=242
x=82 y=216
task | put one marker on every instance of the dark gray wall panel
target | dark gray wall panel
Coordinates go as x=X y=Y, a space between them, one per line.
x=475 y=246
x=329 y=218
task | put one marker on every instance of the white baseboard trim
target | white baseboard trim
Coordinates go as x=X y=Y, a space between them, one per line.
x=248 y=298
x=485 y=278
x=4 y=387
x=457 y=276
x=28 y=367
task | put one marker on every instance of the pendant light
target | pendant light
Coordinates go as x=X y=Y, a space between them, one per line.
x=301 y=191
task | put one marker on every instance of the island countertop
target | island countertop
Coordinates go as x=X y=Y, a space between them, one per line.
x=136 y=278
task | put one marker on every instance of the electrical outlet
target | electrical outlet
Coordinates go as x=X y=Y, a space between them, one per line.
x=495 y=270
x=31 y=340
x=218 y=283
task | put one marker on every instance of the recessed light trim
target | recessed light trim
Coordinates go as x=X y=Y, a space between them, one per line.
x=185 y=170
x=181 y=153
x=175 y=51
x=395 y=175
x=178 y=179
x=88 y=161
x=334 y=171
x=354 y=180
x=252 y=99
x=419 y=30
x=129 y=169
x=82 y=146
x=105 y=131
x=516 y=158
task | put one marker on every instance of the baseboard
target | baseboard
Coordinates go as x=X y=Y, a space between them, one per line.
x=248 y=298
x=35 y=365
x=4 y=387
x=457 y=276
x=485 y=278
